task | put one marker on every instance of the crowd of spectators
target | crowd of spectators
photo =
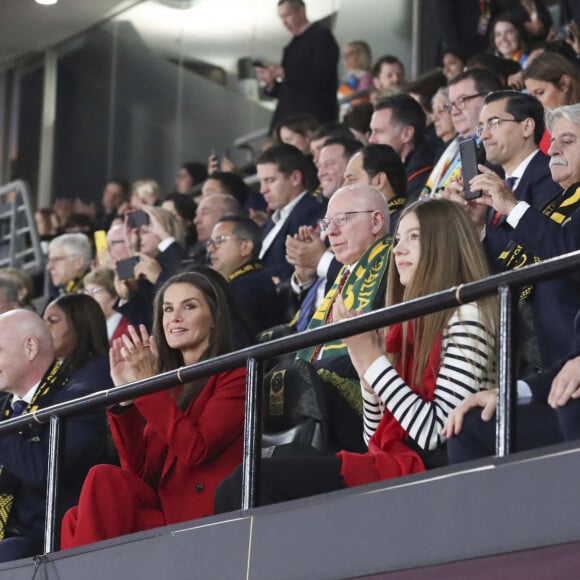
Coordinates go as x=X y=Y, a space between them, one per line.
x=347 y=216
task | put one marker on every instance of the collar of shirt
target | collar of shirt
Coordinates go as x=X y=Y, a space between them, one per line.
x=521 y=169
x=112 y=323
x=280 y=215
x=164 y=244
x=28 y=396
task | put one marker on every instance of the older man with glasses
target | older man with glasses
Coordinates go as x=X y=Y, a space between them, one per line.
x=553 y=414
x=534 y=219
x=69 y=259
x=357 y=224
x=467 y=92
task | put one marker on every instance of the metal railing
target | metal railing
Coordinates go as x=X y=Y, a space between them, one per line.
x=19 y=241
x=252 y=358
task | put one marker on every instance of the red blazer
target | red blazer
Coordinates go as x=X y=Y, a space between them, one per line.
x=184 y=454
x=120 y=330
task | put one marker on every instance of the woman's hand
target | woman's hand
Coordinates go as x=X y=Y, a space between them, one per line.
x=364 y=348
x=133 y=357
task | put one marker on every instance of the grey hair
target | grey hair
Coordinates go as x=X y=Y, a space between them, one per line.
x=442 y=92
x=74 y=245
x=569 y=112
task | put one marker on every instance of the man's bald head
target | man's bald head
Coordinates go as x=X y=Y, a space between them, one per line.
x=359 y=195
x=358 y=216
x=26 y=350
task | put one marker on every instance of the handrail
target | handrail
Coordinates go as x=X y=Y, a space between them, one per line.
x=252 y=357
x=371 y=320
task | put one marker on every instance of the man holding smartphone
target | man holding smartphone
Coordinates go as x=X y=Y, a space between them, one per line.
x=467 y=92
x=511 y=126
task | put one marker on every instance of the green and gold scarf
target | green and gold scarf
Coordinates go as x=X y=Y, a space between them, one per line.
x=358 y=293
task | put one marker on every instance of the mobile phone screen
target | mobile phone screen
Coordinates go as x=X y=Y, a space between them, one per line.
x=468 y=154
x=126 y=268
x=137 y=218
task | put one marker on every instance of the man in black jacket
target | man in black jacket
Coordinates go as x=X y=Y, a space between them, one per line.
x=29 y=379
x=233 y=248
x=307 y=79
x=399 y=121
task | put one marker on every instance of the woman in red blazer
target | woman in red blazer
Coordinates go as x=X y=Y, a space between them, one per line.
x=176 y=445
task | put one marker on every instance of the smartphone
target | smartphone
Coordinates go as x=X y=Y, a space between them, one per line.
x=137 y=218
x=126 y=268
x=258 y=63
x=468 y=154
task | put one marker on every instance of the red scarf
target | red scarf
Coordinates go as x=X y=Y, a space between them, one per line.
x=388 y=456
x=394 y=344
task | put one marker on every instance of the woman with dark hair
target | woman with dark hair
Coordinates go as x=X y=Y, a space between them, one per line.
x=506 y=39
x=452 y=63
x=297 y=131
x=175 y=445
x=190 y=175
x=79 y=333
x=183 y=208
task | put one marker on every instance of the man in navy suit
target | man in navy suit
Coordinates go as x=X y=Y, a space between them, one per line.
x=548 y=413
x=233 y=249
x=528 y=224
x=30 y=379
x=281 y=171
x=554 y=412
x=511 y=126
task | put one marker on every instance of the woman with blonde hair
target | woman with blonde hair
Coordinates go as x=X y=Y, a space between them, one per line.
x=160 y=245
x=413 y=374
x=444 y=128
x=357 y=60
x=145 y=192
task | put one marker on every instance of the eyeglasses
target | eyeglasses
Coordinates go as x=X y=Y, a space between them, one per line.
x=461 y=102
x=340 y=218
x=219 y=240
x=492 y=124
x=93 y=291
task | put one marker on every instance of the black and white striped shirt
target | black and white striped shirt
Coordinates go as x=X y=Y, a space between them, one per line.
x=465 y=349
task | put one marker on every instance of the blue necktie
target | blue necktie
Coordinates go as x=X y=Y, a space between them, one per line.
x=308 y=306
x=511 y=181
x=18 y=407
